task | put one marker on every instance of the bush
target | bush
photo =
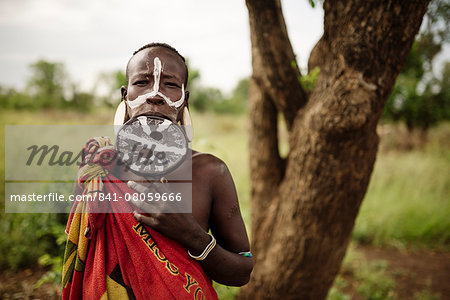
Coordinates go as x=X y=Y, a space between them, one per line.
x=29 y=236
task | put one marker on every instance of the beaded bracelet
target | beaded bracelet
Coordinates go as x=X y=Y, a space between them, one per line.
x=246 y=254
x=205 y=252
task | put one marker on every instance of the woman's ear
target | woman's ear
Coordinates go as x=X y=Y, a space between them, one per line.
x=186 y=121
x=180 y=114
x=185 y=104
x=123 y=91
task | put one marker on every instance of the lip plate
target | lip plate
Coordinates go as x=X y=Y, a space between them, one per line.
x=174 y=163
x=152 y=114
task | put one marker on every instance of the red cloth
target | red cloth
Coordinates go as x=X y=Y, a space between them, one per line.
x=125 y=259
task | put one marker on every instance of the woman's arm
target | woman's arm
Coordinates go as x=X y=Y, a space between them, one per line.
x=223 y=264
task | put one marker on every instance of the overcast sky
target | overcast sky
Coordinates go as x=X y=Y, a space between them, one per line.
x=90 y=37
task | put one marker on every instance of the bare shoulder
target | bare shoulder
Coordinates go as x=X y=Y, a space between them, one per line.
x=213 y=175
x=206 y=164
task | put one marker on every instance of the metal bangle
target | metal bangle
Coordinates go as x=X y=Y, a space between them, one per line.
x=205 y=252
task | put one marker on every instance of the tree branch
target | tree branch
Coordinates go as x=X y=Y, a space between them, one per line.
x=266 y=165
x=278 y=69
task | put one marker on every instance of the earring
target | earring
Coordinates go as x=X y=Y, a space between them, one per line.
x=186 y=121
x=120 y=116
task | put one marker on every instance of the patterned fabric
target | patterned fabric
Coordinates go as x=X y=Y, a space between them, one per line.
x=113 y=256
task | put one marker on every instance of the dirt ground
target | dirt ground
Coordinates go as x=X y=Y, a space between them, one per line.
x=413 y=271
x=20 y=285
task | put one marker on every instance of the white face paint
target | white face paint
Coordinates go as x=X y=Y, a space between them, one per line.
x=157 y=69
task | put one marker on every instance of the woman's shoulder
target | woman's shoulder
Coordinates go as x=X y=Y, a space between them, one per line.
x=208 y=164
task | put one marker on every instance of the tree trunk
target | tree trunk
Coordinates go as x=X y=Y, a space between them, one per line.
x=304 y=206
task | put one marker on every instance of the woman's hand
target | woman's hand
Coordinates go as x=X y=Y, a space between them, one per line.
x=166 y=217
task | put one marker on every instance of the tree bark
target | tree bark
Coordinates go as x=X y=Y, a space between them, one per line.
x=304 y=206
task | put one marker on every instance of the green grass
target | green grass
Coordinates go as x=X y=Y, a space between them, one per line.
x=407 y=202
x=426 y=295
x=369 y=280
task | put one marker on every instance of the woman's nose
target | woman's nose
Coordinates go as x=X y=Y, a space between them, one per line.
x=155 y=100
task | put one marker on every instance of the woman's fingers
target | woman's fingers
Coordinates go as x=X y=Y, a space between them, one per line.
x=156 y=197
x=140 y=188
x=147 y=220
x=162 y=187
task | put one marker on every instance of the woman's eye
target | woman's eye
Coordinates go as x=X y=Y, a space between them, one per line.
x=172 y=84
x=141 y=82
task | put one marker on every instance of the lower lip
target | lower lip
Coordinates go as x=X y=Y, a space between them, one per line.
x=155 y=115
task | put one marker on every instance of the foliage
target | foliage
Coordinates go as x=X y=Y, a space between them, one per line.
x=360 y=278
x=55 y=273
x=80 y=101
x=225 y=292
x=112 y=82
x=193 y=76
x=29 y=236
x=120 y=79
x=426 y=295
x=308 y=81
x=407 y=199
x=414 y=107
x=335 y=292
x=48 y=87
x=205 y=99
x=237 y=103
x=370 y=280
x=419 y=98
x=375 y=284
x=313 y=2
x=12 y=99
